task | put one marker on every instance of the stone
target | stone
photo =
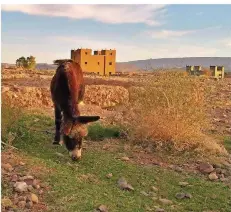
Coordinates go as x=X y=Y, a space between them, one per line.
x=59 y=154
x=227 y=164
x=213 y=176
x=124 y=185
x=218 y=171
x=217 y=165
x=30 y=188
x=157 y=163
x=125 y=158
x=15 y=201
x=14 y=178
x=102 y=208
x=22 y=198
x=34 y=198
x=180 y=195
x=160 y=210
x=6 y=166
x=183 y=184
x=40 y=192
x=144 y=193
x=21 y=163
x=188 y=195
x=154 y=188
x=29 y=205
x=11 y=169
x=21 y=204
x=206 y=168
x=27 y=177
x=28 y=198
x=178 y=169
x=109 y=175
x=20 y=187
x=29 y=181
x=165 y=201
x=6 y=202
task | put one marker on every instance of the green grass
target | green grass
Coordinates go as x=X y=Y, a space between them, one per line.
x=227 y=143
x=99 y=132
x=71 y=192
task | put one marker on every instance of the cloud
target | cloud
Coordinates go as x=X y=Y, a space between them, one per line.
x=113 y=14
x=164 y=34
x=226 y=42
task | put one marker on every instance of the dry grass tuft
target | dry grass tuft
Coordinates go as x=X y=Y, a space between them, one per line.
x=10 y=115
x=170 y=112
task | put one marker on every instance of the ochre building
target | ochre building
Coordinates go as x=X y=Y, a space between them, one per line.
x=101 y=62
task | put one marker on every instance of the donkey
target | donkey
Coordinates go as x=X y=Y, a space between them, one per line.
x=67 y=91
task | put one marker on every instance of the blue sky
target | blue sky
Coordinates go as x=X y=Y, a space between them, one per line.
x=137 y=32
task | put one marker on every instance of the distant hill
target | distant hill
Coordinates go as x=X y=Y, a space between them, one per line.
x=173 y=63
x=45 y=66
x=164 y=63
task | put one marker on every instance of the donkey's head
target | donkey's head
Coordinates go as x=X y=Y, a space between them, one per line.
x=73 y=132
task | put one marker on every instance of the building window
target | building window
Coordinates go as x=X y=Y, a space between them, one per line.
x=111 y=53
x=98 y=73
x=98 y=63
x=110 y=63
x=85 y=63
x=109 y=73
x=85 y=53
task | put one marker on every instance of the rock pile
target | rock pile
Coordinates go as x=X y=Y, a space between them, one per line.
x=26 y=189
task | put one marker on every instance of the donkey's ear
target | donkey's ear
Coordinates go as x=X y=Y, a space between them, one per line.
x=86 y=119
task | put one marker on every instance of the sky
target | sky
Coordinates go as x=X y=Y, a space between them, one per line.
x=137 y=32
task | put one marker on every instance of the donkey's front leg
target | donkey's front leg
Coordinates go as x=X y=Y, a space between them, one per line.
x=58 y=120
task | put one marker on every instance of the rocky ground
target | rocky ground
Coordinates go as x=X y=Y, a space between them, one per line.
x=27 y=190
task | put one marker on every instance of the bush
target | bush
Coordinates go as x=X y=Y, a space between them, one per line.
x=169 y=111
x=99 y=132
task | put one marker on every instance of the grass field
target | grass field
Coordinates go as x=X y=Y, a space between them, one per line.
x=83 y=186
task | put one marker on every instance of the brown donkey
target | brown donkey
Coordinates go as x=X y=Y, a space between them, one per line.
x=67 y=91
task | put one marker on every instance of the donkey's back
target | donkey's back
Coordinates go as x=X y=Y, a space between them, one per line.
x=67 y=87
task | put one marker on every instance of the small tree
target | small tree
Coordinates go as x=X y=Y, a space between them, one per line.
x=21 y=62
x=28 y=63
x=31 y=63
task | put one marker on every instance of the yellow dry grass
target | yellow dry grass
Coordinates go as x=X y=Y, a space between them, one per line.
x=169 y=111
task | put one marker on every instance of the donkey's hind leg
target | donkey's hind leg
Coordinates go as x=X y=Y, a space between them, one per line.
x=81 y=94
x=58 y=120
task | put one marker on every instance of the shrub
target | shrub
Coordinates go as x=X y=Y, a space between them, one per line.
x=169 y=111
x=99 y=132
x=10 y=115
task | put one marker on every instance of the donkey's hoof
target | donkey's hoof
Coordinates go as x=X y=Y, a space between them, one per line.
x=55 y=142
x=81 y=103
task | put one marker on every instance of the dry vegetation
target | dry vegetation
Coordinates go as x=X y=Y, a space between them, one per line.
x=170 y=112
